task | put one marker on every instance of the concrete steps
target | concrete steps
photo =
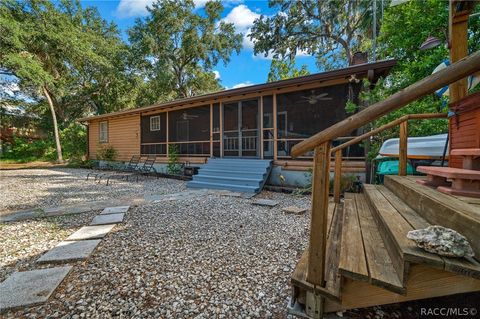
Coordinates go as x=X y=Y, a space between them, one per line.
x=239 y=175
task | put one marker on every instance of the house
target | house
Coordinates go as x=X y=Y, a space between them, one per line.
x=259 y=122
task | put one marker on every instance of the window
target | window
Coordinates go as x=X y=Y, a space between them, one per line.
x=103 y=132
x=155 y=123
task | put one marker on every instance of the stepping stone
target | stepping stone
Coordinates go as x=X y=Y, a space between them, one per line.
x=91 y=232
x=294 y=210
x=265 y=202
x=28 y=288
x=70 y=251
x=107 y=219
x=115 y=210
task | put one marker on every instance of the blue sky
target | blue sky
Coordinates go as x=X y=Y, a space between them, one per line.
x=243 y=69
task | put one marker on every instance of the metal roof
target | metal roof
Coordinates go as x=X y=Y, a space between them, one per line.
x=384 y=65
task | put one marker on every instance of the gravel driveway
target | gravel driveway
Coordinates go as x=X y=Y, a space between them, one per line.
x=208 y=257
x=41 y=188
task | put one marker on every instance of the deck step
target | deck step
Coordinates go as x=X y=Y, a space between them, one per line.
x=240 y=175
x=438 y=208
x=363 y=255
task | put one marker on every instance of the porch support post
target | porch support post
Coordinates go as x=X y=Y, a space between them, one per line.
x=458 y=27
x=275 y=131
x=402 y=149
x=260 y=138
x=166 y=135
x=221 y=129
x=338 y=176
x=211 y=130
x=318 y=223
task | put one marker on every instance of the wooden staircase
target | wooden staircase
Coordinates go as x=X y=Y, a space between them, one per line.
x=370 y=261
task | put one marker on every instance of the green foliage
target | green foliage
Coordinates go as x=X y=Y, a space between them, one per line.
x=331 y=30
x=285 y=69
x=107 y=153
x=74 y=139
x=26 y=150
x=173 y=166
x=176 y=47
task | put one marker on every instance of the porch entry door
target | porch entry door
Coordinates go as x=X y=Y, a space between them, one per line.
x=240 y=129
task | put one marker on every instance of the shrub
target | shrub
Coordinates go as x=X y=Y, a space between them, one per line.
x=24 y=150
x=74 y=141
x=107 y=153
x=173 y=166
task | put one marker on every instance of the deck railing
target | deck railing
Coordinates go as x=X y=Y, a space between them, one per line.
x=321 y=144
x=402 y=151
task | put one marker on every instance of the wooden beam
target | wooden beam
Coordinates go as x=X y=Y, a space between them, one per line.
x=458 y=41
x=393 y=123
x=318 y=223
x=167 y=135
x=275 y=130
x=260 y=138
x=429 y=84
x=338 y=176
x=221 y=129
x=211 y=129
x=402 y=149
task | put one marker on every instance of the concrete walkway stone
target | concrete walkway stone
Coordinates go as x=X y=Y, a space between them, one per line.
x=265 y=202
x=68 y=251
x=107 y=219
x=91 y=232
x=294 y=210
x=28 y=288
x=115 y=210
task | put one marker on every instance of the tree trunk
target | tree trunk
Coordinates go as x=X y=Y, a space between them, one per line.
x=55 y=126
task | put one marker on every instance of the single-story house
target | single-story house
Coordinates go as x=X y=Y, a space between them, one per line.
x=261 y=121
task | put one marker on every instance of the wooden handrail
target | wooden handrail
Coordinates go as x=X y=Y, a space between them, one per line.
x=435 y=81
x=390 y=125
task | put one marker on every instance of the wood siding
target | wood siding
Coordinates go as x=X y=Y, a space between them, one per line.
x=123 y=135
x=465 y=127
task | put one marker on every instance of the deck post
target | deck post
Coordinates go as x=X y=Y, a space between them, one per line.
x=402 y=149
x=318 y=223
x=275 y=129
x=338 y=176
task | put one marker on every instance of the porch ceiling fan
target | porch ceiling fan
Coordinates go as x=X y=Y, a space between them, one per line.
x=185 y=116
x=314 y=98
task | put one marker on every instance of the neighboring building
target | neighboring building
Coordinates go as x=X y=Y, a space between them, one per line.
x=259 y=121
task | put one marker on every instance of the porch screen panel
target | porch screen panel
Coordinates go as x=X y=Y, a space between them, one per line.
x=268 y=132
x=302 y=114
x=189 y=129
x=153 y=141
x=216 y=130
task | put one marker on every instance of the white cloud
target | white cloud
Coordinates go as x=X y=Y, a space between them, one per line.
x=133 y=8
x=242 y=17
x=217 y=74
x=241 y=85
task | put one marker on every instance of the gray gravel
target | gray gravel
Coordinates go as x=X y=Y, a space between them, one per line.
x=41 y=188
x=21 y=243
x=209 y=257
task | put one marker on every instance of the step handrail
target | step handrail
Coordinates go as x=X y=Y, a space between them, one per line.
x=452 y=73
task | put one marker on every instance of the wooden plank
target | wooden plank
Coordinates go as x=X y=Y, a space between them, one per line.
x=402 y=160
x=332 y=275
x=423 y=282
x=353 y=263
x=337 y=177
x=427 y=85
x=275 y=128
x=318 y=223
x=438 y=208
x=380 y=267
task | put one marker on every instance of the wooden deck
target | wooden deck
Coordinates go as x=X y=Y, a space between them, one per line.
x=368 y=251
